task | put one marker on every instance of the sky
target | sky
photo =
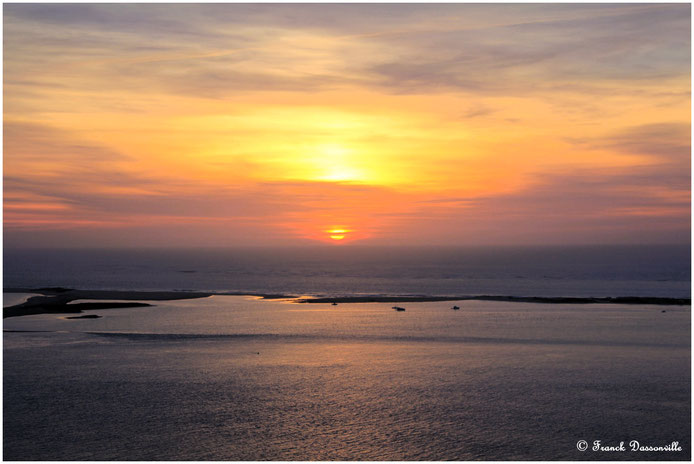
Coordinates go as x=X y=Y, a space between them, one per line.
x=375 y=124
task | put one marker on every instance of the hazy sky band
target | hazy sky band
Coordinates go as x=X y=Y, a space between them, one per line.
x=230 y=124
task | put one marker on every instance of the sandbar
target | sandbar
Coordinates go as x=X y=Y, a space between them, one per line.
x=519 y=299
x=56 y=299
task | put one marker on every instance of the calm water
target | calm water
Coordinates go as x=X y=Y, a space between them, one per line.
x=550 y=271
x=233 y=378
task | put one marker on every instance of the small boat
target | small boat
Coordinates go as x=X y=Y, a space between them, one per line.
x=398 y=308
x=334 y=304
x=456 y=307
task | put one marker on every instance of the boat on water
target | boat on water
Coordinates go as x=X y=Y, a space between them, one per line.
x=334 y=304
x=456 y=307
x=398 y=308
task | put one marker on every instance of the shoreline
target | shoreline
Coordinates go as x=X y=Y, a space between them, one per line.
x=54 y=300
x=647 y=300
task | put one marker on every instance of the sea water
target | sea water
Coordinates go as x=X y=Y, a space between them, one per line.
x=239 y=378
x=657 y=271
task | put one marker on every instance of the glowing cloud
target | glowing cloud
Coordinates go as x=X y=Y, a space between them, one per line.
x=343 y=123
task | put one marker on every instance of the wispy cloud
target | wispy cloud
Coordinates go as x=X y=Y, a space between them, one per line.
x=442 y=123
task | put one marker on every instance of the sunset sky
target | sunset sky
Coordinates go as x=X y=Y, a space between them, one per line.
x=238 y=124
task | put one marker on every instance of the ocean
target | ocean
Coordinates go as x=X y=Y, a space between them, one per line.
x=600 y=271
x=244 y=378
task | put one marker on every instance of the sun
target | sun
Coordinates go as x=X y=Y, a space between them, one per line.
x=336 y=163
x=337 y=234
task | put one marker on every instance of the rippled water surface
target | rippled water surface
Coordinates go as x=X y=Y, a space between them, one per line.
x=234 y=378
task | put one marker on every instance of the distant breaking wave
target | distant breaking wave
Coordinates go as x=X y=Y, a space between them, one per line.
x=172 y=337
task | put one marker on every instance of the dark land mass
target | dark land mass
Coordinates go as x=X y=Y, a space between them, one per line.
x=56 y=299
x=135 y=295
x=519 y=299
x=72 y=294
x=51 y=306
